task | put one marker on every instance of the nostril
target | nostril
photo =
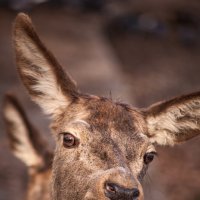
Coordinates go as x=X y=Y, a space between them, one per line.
x=110 y=187
x=116 y=192
x=136 y=193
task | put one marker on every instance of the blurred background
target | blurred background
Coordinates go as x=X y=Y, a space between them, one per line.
x=140 y=51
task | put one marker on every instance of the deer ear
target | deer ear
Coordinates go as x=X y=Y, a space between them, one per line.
x=25 y=142
x=174 y=121
x=42 y=75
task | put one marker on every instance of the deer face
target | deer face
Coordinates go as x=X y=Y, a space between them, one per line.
x=103 y=148
x=100 y=149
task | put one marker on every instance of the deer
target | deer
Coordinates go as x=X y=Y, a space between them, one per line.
x=103 y=147
x=27 y=144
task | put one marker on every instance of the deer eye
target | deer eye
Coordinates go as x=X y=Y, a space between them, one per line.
x=148 y=157
x=69 y=140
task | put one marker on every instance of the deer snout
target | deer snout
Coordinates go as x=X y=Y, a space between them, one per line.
x=116 y=192
x=114 y=184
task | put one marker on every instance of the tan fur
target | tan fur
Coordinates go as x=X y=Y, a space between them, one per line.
x=175 y=122
x=39 y=186
x=27 y=145
x=113 y=138
x=22 y=149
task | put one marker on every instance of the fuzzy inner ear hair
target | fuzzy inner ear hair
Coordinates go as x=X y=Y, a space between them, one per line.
x=19 y=132
x=174 y=121
x=42 y=75
x=26 y=142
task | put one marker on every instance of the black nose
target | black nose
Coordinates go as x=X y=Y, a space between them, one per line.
x=116 y=192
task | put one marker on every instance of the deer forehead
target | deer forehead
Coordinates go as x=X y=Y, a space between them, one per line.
x=99 y=122
x=100 y=114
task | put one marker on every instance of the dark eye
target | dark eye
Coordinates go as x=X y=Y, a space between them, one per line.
x=69 y=141
x=148 y=157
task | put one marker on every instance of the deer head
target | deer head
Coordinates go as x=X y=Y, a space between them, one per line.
x=103 y=148
x=27 y=144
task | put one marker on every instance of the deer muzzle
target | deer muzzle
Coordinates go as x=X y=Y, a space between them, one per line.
x=114 y=184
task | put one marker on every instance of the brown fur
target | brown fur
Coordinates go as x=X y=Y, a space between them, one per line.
x=113 y=137
x=39 y=170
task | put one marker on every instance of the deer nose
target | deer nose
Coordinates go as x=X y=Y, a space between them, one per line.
x=116 y=192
